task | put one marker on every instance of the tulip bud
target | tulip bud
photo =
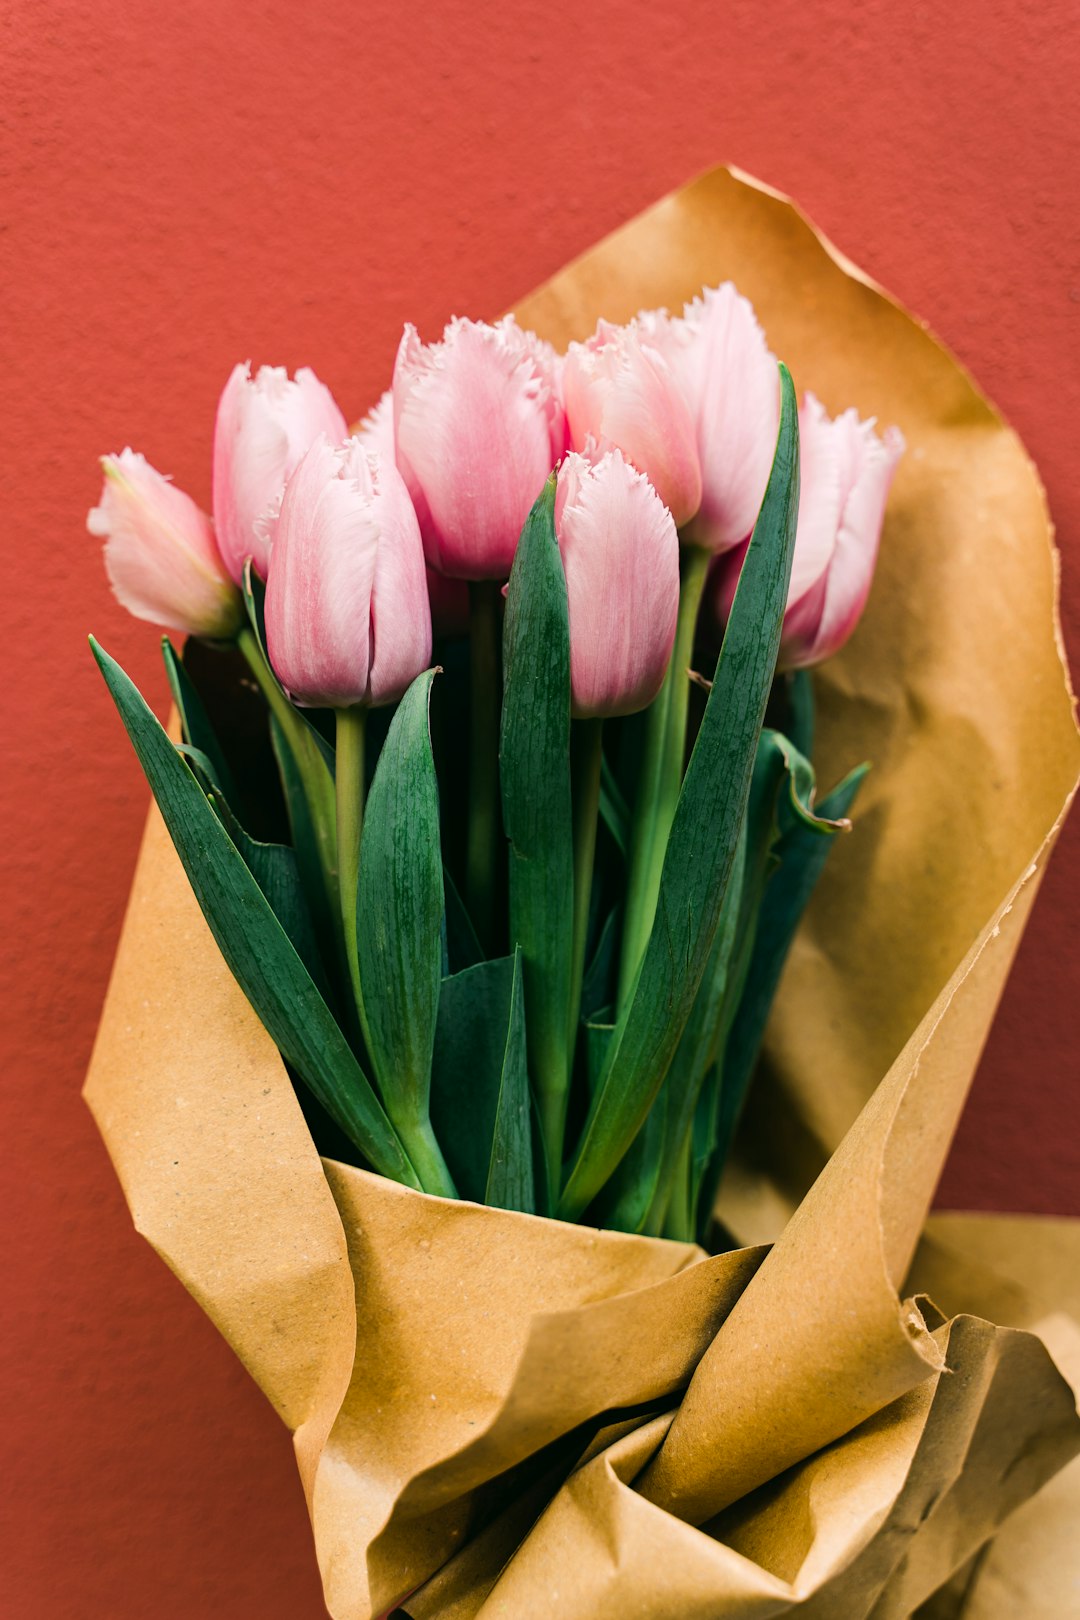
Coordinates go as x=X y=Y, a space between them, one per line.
x=160 y=553
x=478 y=426
x=621 y=393
x=719 y=353
x=846 y=471
x=620 y=553
x=264 y=425
x=347 y=618
x=845 y=474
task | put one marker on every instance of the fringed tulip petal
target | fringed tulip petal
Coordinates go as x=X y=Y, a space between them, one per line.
x=621 y=393
x=264 y=425
x=478 y=426
x=730 y=378
x=620 y=552
x=847 y=472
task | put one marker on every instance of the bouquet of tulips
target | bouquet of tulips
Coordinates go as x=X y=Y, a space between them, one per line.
x=519 y=943
x=491 y=775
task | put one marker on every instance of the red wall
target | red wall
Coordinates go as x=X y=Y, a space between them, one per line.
x=195 y=183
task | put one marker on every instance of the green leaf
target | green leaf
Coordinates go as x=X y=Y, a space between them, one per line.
x=613 y=810
x=534 y=760
x=480 y=1090
x=321 y=896
x=801 y=855
x=252 y=941
x=399 y=910
x=704 y=835
x=198 y=730
x=463 y=948
x=598 y=985
x=275 y=870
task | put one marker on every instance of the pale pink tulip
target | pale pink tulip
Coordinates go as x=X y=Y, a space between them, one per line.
x=264 y=425
x=719 y=353
x=622 y=393
x=845 y=475
x=620 y=552
x=449 y=598
x=478 y=426
x=347 y=617
x=160 y=553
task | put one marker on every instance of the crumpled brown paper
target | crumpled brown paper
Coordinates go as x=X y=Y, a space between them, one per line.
x=445 y=1367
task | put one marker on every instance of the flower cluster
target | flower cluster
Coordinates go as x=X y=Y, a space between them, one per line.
x=661 y=431
x=501 y=886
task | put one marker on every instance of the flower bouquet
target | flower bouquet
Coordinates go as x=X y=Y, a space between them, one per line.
x=446 y=1065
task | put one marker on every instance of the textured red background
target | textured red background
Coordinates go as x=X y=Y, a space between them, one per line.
x=195 y=183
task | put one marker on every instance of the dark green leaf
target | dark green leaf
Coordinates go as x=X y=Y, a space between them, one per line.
x=480 y=1089
x=613 y=810
x=196 y=722
x=399 y=905
x=598 y=985
x=534 y=760
x=252 y=941
x=801 y=854
x=704 y=835
x=274 y=868
x=463 y=949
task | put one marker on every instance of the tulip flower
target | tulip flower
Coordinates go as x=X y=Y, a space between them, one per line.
x=478 y=426
x=264 y=425
x=846 y=472
x=161 y=557
x=622 y=393
x=720 y=356
x=449 y=598
x=620 y=552
x=347 y=618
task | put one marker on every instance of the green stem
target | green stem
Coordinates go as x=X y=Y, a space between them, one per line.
x=661 y=776
x=419 y=1141
x=349 y=786
x=484 y=813
x=314 y=772
x=679 y=1222
x=586 y=755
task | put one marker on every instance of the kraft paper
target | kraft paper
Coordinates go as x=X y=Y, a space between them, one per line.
x=519 y=1417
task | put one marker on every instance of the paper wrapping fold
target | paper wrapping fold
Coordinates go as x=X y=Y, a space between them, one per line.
x=357 y=1306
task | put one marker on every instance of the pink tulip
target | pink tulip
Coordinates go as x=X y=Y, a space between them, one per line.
x=264 y=425
x=160 y=553
x=622 y=393
x=620 y=552
x=478 y=426
x=347 y=619
x=845 y=474
x=449 y=598
x=376 y=430
x=730 y=379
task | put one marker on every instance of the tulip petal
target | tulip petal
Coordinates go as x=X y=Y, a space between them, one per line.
x=400 y=609
x=264 y=425
x=723 y=361
x=318 y=594
x=622 y=394
x=160 y=553
x=475 y=423
x=620 y=553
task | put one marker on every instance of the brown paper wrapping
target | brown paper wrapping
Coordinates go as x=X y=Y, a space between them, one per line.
x=455 y=1376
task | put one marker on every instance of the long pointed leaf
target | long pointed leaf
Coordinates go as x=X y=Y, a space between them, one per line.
x=399 y=905
x=480 y=1086
x=196 y=722
x=534 y=763
x=252 y=941
x=704 y=835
